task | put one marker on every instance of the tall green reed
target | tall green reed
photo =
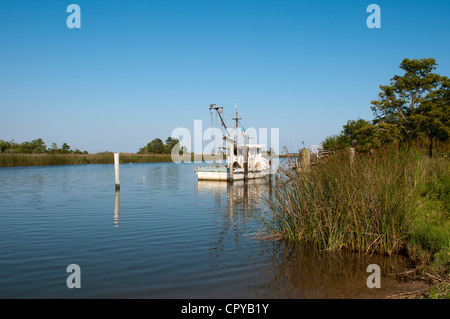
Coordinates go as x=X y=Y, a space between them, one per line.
x=366 y=206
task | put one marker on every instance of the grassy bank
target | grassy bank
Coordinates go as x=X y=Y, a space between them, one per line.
x=7 y=160
x=396 y=201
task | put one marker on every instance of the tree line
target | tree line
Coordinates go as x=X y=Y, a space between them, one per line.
x=36 y=146
x=414 y=106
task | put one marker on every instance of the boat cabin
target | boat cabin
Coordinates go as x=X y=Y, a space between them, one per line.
x=254 y=156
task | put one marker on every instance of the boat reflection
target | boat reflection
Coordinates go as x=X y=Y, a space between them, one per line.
x=238 y=196
x=234 y=202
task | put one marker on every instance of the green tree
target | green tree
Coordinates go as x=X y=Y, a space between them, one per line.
x=386 y=133
x=65 y=148
x=402 y=102
x=13 y=147
x=170 y=144
x=3 y=146
x=154 y=147
x=53 y=149
x=360 y=130
x=337 y=141
x=35 y=146
x=158 y=147
x=415 y=105
x=38 y=146
x=431 y=118
x=24 y=147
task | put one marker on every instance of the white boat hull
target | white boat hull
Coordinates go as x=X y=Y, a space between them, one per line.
x=223 y=174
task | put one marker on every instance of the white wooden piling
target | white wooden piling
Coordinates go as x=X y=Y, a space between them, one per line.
x=116 y=170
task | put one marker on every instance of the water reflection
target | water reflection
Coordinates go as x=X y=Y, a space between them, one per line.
x=238 y=196
x=284 y=269
x=116 y=208
x=234 y=203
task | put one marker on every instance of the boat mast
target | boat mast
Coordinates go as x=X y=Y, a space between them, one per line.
x=228 y=137
x=236 y=118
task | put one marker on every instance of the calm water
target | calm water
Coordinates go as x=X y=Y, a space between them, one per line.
x=168 y=236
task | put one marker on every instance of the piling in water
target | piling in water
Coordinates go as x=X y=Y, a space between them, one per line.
x=231 y=162
x=116 y=170
x=245 y=162
x=305 y=158
x=270 y=161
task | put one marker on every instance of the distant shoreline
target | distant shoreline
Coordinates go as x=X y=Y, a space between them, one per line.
x=20 y=159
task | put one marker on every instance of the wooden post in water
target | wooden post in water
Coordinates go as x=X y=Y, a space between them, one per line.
x=245 y=194
x=270 y=174
x=245 y=162
x=230 y=162
x=305 y=158
x=116 y=171
x=271 y=161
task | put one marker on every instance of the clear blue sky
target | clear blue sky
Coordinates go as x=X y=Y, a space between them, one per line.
x=136 y=70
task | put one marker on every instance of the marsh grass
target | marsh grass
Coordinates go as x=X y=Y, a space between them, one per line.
x=369 y=206
x=69 y=159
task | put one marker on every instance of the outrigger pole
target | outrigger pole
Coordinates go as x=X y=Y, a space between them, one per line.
x=218 y=110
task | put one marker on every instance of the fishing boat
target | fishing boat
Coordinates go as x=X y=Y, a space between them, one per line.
x=242 y=161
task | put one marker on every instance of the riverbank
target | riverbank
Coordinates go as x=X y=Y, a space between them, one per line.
x=419 y=290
